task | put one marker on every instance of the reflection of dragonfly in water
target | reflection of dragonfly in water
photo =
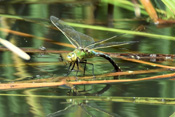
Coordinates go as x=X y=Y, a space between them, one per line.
x=84 y=45
x=83 y=108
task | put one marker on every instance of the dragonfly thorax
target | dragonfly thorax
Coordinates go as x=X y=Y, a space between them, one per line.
x=80 y=55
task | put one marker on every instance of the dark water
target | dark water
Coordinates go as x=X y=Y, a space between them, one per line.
x=16 y=103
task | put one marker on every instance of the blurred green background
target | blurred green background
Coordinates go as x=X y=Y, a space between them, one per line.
x=99 y=19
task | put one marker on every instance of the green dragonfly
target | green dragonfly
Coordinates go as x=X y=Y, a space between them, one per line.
x=85 y=46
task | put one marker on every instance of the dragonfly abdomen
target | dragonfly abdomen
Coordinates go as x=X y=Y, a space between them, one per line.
x=117 y=68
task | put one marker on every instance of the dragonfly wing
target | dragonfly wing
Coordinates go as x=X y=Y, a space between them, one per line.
x=111 y=44
x=66 y=30
x=101 y=41
x=76 y=38
x=85 y=40
x=62 y=112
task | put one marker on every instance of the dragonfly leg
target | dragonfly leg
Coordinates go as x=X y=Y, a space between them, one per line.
x=68 y=71
x=73 y=66
x=85 y=62
x=92 y=69
x=77 y=62
x=60 y=58
x=69 y=68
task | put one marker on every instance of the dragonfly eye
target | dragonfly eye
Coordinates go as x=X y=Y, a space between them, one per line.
x=68 y=56
x=73 y=54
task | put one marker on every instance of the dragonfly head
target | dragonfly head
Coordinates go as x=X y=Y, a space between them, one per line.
x=71 y=57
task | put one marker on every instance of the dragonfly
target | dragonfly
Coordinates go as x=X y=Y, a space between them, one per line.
x=85 y=46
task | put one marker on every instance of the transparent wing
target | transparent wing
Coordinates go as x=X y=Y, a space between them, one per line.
x=101 y=41
x=102 y=111
x=61 y=112
x=76 y=38
x=85 y=40
x=111 y=44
